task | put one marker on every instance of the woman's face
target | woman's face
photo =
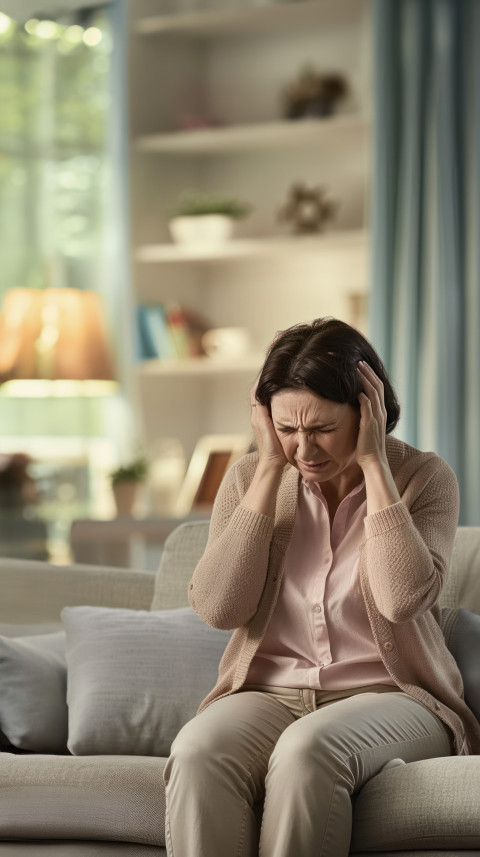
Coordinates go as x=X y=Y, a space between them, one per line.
x=318 y=436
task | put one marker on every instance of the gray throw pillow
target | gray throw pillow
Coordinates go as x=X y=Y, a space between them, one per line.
x=33 y=684
x=464 y=644
x=135 y=677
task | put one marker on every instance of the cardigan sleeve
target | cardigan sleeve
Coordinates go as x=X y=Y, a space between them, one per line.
x=408 y=546
x=228 y=582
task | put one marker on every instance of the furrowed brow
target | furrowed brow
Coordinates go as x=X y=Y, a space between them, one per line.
x=315 y=427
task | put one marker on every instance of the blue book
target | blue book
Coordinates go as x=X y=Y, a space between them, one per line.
x=145 y=343
x=159 y=332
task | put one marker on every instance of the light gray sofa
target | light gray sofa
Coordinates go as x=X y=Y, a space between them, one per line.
x=102 y=805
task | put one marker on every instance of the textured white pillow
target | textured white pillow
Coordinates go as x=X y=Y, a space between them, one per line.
x=135 y=677
x=33 y=705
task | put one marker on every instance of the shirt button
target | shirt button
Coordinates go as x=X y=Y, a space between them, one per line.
x=317 y=608
x=388 y=646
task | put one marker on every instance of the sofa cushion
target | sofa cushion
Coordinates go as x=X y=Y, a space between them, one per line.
x=182 y=550
x=423 y=805
x=462 y=586
x=15 y=629
x=63 y=848
x=33 y=681
x=462 y=635
x=110 y=798
x=136 y=677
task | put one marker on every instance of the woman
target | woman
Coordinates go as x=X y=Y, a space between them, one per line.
x=327 y=553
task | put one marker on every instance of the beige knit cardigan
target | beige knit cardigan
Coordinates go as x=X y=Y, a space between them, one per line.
x=403 y=560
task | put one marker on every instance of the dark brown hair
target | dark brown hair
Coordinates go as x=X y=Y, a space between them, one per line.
x=322 y=356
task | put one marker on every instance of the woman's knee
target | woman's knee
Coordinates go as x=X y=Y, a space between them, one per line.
x=190 y=755
x=293 y=750
x=203 y=749
x=306 y=754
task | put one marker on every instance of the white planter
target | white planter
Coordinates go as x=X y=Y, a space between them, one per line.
x=202 y=229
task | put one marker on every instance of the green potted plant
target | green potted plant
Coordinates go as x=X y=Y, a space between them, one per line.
x=201 y=217
x=125 y=482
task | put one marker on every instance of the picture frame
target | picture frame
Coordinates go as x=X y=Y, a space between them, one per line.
x=211 y=458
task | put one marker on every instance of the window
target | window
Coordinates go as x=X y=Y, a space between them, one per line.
x=54 y=108
x=55 y=92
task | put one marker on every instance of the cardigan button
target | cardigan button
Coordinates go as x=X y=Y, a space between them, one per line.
x=388 y=646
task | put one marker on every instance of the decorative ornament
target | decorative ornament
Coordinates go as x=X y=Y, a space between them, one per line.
x=314 y=95
x=307 y=208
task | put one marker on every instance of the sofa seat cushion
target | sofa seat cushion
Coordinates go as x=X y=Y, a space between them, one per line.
x=63 y=848
x=429 y=853
x=422 y=805
x=113 y=798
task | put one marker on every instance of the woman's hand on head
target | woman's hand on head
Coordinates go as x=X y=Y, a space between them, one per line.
x=373 y=419
x=270 y=449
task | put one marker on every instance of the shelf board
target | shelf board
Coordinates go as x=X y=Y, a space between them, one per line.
x=350 y=128
x=273 y=17
x=201 y=367
x=254 y=248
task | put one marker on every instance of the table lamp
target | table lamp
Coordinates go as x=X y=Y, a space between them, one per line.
x=53 y=343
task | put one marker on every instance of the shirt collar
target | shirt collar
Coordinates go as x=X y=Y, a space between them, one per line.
x=315 y=488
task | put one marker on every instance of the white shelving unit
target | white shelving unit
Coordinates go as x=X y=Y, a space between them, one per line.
x=336 y=131
x=227 y=68
x=251 y=19
x=202 y=367
x=354 y=242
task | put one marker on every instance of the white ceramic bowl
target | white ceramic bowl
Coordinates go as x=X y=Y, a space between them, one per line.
x=227 y=342
x=202 y=229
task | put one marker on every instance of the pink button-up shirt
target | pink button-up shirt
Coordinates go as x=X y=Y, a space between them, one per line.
x=319 y=635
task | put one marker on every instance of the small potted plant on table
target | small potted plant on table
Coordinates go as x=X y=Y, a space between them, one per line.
x=204 y=218
x=125 y=481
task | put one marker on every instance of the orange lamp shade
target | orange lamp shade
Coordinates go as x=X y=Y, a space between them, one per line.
x=53 y=334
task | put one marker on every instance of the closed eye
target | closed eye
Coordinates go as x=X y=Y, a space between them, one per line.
x=285 y=430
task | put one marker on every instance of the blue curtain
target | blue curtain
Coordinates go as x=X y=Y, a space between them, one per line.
x=425 y=297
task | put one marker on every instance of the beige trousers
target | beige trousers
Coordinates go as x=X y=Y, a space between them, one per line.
x=301 y=751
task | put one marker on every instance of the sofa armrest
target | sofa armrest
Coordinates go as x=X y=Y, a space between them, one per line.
x=35 y=592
